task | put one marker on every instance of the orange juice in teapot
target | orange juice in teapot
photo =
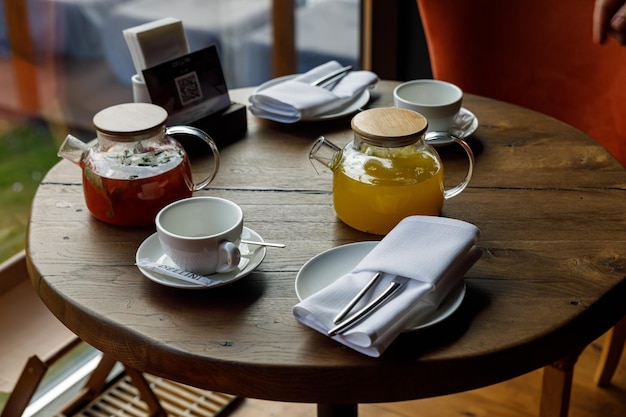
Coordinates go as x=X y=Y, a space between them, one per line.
x=136 y=167
x=387 y=172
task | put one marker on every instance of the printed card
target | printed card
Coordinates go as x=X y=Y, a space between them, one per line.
x=190 y=87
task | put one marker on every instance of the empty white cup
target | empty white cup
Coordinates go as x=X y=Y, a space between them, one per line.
x=140 y=90
x=201 y=234
x=438 y=101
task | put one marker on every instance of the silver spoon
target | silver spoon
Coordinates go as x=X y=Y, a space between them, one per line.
x=273 y=245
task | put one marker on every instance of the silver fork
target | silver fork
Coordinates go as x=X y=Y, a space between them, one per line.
x=370 y=307
x=356 y=298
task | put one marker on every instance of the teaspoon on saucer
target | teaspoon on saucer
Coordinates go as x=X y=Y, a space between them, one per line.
x=273 y=245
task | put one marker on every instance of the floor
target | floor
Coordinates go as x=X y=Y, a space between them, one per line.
x=515 y=398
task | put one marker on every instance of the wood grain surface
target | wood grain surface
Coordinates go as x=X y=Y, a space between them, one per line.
x=550 y=203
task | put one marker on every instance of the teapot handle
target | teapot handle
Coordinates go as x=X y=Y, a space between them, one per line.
x=194 y=131
x=470 y=170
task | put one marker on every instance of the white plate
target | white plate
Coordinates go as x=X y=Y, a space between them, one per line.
x=348 y=109
x=465 y=124
x=323 y=269
x=251 y=257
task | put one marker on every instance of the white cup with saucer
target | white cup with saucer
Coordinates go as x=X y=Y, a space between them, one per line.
x=201 y=234
x=438 y=101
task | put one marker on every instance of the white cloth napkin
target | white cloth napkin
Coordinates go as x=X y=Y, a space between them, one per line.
x=428 y=254
x=296 y=99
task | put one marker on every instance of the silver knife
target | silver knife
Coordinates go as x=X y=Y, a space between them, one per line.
x=373 y=305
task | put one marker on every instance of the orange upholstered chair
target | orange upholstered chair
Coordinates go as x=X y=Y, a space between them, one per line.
x=535 y=53
x=538 y=54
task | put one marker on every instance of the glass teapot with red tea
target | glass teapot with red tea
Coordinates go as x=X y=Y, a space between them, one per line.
x=135 y=167
x=388 y=171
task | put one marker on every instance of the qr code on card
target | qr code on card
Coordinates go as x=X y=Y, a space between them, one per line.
x=188 y=88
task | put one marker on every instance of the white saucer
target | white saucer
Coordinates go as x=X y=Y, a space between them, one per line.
x=251 y=257
x=465 y=124
x=348 y=109
x=323 y=269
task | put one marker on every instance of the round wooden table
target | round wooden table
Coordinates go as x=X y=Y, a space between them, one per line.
x=548 y=199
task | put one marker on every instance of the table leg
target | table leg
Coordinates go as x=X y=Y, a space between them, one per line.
x=337 y=410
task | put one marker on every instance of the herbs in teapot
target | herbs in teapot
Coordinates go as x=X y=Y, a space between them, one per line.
x=136 y=167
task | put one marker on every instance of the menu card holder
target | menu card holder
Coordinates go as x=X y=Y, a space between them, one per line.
x=193 y=90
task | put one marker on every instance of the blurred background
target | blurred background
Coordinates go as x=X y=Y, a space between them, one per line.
x=62 y=61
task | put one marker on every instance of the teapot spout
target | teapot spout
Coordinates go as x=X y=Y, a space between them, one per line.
x=72 y=149
x=325 y=152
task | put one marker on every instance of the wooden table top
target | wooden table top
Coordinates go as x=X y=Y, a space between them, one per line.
x=550 y=203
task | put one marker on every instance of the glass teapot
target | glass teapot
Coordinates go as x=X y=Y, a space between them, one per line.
x=388 y=171
x=135 y=167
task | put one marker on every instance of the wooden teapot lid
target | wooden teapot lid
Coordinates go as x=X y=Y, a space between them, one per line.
x=389 y=126
x=130 y=121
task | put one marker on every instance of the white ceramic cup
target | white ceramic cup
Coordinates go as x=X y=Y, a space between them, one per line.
x=438 y=101
x=201 y=234
x=140 y=90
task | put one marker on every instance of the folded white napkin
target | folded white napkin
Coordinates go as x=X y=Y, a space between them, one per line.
x=429 y=255
x=296 y=99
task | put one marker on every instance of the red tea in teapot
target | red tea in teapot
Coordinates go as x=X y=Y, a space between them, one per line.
x=125 y=198
x=136 y=167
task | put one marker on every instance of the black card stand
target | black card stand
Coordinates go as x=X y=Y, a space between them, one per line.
x=225 y=127
x=192 y=85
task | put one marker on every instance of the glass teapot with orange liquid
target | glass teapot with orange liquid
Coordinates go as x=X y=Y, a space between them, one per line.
x=135 y=167
x=388 y=171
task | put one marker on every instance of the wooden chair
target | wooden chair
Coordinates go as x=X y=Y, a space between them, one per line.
x=536 y=54
x=611 y=352
x=34 y=337
x=30 y=329
x=26 y=326
x=539 y=55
